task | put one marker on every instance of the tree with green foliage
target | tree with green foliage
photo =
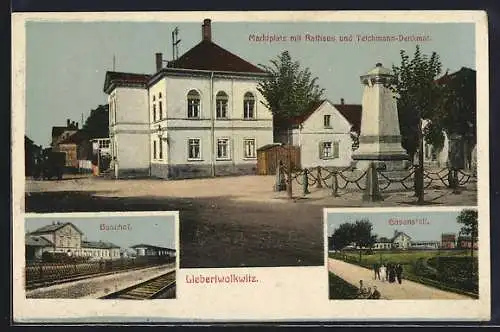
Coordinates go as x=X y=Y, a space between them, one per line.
x=456 y=111
x=97 y=124
x=289 y=90
x=418 y=95
x=362 y=235
x=343 y=236
x=468 y=218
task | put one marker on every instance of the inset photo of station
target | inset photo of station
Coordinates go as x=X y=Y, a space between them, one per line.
x=421 y=254
x=101 y=256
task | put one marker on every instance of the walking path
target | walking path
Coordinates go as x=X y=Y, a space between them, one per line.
x=407 y=290
x=96 y=287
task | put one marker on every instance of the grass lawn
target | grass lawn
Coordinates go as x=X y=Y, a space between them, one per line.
x=340 y=289
x=445 y=269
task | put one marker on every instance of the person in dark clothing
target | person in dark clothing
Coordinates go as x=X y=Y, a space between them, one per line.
x=399 y=272
x=376 y=270
x=392 y=273
x=376 y=294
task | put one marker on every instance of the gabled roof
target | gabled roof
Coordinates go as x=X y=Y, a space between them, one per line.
x=207 y=55
x=120 y=78
x=352 y=112
x=36 y=241
x=52 y=228
x=398 y=234
x=99 y=245
x=299 y=119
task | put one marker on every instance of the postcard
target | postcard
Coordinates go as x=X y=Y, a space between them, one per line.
x=228 y=159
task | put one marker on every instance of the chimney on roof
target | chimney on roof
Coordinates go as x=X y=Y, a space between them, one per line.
x=206 y=30
x=159 y=61
x=342 y=101
x=67 y=122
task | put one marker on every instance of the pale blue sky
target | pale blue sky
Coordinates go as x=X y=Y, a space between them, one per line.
x=67 y=61
x=153 y=230
x=438 y=222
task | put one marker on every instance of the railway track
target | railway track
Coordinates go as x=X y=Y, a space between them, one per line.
x=149 y=289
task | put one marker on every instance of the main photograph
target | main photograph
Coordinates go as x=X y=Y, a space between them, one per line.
x=249 y=129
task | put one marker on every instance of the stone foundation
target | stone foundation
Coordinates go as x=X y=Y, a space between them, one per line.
x=159 y=171
x=190 y=171
x=132 y=173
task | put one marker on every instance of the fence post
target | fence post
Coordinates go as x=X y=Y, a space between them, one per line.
x=335 y=184
x=280 y=179
x=372 y=192
x=319 y=184
x=305 y=185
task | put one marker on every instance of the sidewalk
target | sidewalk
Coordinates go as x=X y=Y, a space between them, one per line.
x=406 y=290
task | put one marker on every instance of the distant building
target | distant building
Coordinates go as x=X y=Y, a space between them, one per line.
x=150 y=250
x=465 y=242
x=401 y=240
x=66 y=238
x=448 y=241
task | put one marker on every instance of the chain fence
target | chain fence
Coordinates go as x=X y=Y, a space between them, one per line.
x=350 y=178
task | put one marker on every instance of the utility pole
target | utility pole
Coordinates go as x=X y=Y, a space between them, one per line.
x=114 y=62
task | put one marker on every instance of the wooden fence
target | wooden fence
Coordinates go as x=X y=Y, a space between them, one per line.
x=268 y=158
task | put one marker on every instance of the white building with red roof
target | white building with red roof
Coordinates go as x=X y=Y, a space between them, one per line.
x=200 y=115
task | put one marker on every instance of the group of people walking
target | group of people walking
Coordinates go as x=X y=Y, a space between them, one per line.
x=388 y=272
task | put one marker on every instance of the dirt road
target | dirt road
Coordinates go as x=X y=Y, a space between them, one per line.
x=406 y=290
x=216 y=228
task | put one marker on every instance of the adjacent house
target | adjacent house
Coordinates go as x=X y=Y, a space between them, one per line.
x=466 y=142
x=201 y=115
x=325 y=134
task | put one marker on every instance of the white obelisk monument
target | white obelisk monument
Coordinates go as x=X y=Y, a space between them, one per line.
x=380 y=138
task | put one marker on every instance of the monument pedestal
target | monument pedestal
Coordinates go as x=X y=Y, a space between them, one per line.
x=380 y=139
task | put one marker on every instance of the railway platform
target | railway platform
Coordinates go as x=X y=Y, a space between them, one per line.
x=100 y=286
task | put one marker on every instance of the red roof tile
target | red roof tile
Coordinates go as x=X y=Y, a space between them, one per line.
x=352 y=112
x=207 y=55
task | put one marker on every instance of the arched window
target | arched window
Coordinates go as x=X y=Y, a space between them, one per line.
x=193 y=104
x=159 y=95
x=221 y=105
x=248 y=106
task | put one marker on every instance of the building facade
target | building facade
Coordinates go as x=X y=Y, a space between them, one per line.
x=324 y=134
x=201 y=115
x=150 y=250
x=67 y=238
